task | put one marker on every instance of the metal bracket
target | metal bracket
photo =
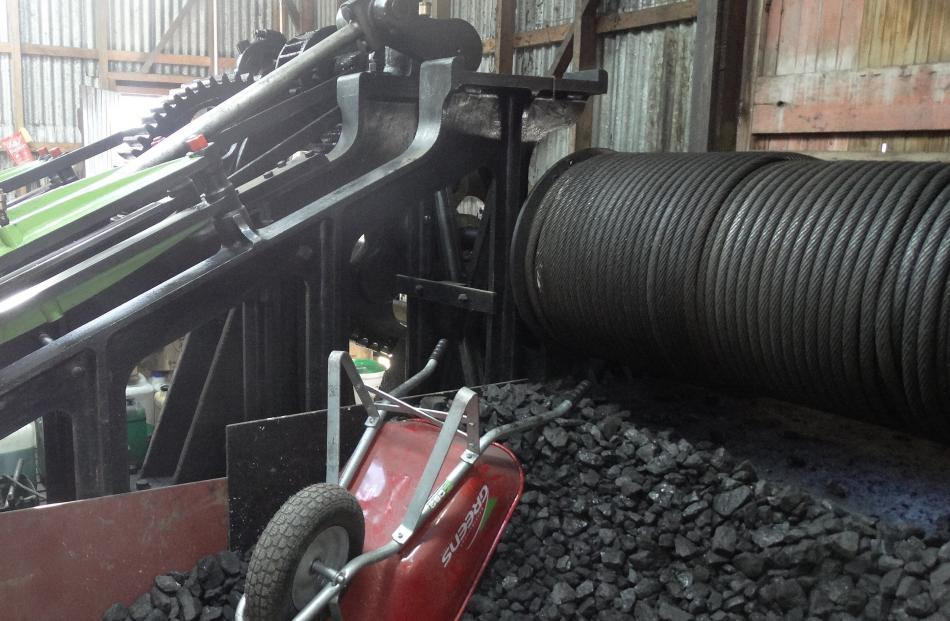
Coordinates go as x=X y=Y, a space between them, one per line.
x=436 y=459
x=341 y=360
x=447 y=293
x=402 y=534
x=472 y=411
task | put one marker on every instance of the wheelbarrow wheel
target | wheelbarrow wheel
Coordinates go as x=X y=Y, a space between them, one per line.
x=322 y=523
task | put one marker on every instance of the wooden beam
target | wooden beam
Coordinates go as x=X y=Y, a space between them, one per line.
x=101 y=10
x=441 y=9
x=59 y=51
x=900 y=99
x=504 y=36
x=890 y=156
x=167 y=35
x=16 y=63
x=585 y=57
x=563 y=56
x=606 y=24
x=32 y=49
x=585 y=35
x=717 y=65
x=150 y=78
x=128 y=89
x=751 y=69
x=293 y=13
x=648 y=18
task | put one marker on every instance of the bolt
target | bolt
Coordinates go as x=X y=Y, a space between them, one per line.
x=304 y=253
x=281 y=163
x=463 y=298
x=419 y=289
x=77 y=371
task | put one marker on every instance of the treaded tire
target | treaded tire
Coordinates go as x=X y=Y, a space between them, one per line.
x=282 y=545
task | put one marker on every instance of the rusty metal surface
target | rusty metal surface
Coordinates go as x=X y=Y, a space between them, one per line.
x=73 y=560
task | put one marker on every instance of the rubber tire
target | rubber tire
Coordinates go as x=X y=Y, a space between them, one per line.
x=285 y=539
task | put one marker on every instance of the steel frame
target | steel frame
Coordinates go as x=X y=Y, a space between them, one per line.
x=78 y=380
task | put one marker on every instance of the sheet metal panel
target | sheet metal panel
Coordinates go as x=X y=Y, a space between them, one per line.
x=6 y=100
x=51 y=96
x=646 y=107
x=138 y=25
x=4 y=37
x=479 y=13
x=57 y=22
x=73 y=560
x=324 y=13
x=238 y=19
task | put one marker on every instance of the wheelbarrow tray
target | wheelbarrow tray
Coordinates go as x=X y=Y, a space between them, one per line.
x=435 y=574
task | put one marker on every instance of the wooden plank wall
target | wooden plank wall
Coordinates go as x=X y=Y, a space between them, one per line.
x=851 y=75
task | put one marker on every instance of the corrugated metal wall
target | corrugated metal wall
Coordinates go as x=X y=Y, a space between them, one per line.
x=51 y=85
x=238 y=19
x=137 y=26
x=647 y=105
x=649 y=69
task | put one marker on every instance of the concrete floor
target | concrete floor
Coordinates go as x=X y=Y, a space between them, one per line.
x=864 y=468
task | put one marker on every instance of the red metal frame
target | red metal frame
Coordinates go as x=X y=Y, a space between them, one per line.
x=73 y=560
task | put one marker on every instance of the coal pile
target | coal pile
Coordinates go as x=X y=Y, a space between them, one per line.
x=209 y=592
x=619 y=521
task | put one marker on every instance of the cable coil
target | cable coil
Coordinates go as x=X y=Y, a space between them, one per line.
x=822 y=283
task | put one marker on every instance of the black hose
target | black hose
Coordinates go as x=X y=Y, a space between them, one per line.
x=822 y=283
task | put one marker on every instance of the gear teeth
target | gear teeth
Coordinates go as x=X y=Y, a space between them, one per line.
x=179 y=107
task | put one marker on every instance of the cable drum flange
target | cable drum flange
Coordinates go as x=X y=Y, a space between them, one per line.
x=823 y=283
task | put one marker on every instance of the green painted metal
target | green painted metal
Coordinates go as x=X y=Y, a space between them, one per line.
x=34 y=218
x=29 y=316
x=17 y=170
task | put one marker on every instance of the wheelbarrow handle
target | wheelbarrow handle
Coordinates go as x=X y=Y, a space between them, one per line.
x=569 y=400
x=403 y=389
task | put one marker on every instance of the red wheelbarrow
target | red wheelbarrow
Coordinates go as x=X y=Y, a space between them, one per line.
x=409 y=525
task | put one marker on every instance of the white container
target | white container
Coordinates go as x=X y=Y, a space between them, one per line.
x=21 y=444
x=142 y=391
x=371 y=372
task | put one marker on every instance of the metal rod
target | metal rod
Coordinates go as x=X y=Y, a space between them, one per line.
x=272 y=86
x=436 y=459
x=326 y=595
x=448 y=236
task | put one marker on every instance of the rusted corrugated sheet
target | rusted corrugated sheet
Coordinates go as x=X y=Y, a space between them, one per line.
x=646 y=107
x=535 y=14
x=479 y=13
